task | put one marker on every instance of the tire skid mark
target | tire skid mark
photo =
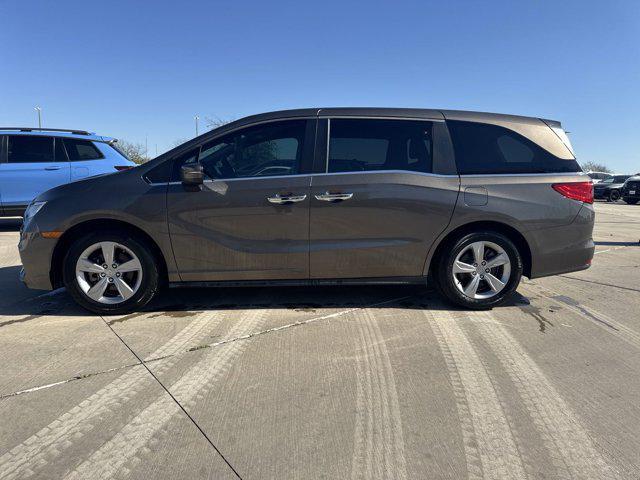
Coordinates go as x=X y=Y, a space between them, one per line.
x=569 y=445
x=48 y=443
x=609 y=324
x=489 y=444
x=131 y=442
x=200 y=346
x=378 y=439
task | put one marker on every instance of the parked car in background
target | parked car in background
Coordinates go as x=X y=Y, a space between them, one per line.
x=598 y=177
x=34 y=160
x=467 y=201
x=631 y=190
x=610 y=188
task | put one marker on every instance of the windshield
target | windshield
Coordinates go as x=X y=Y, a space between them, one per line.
x=620 y=178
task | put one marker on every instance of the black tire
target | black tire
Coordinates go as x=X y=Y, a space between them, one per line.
x=614 y=195
x=631 y=201
x=149 y=285
x=444 y=273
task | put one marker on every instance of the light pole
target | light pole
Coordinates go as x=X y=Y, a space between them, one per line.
x=39 y=110
x=196 y=118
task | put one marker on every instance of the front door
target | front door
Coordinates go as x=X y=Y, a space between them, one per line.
x=379 y=206
x=250 y=218
x=33 y=165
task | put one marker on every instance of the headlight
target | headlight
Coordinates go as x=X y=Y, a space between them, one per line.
x=32 y=209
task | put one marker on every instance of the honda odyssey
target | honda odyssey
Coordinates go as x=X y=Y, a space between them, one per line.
x=466 y=201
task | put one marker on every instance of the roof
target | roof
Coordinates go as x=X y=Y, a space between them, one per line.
x=390 y=112
x=55 y=132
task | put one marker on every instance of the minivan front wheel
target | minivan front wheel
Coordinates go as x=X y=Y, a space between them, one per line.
x=479 y=270
x=110 y=273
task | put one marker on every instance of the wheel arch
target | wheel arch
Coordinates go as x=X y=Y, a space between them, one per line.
x=511 y=233
x=95 y=225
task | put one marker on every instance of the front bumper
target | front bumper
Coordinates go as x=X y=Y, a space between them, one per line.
x=36 y=253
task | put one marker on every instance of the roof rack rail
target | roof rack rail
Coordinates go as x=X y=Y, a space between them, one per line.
x=31 y=129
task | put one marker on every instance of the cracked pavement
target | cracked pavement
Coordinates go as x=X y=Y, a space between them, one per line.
x=329 y=382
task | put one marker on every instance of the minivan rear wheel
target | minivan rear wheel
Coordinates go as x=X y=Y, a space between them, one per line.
x=110 y=273
x=479 y=270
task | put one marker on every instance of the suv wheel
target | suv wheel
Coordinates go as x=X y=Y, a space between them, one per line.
x=614 y=196
x=110 y=273
x=479 y=270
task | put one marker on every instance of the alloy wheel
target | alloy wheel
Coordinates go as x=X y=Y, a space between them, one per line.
x=108 y=273
x=481 y=270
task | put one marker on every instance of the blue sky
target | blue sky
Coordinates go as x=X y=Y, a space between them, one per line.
x=134 y=69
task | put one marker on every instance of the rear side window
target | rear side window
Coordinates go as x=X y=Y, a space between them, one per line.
x=490 y=149
x=79 y=150
x=357 y=145
x=30 y=149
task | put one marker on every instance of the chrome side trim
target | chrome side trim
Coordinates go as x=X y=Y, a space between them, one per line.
x=502 y=175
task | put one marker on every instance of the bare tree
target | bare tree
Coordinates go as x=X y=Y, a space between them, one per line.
x=214 y=121
x=594 y=167
x=179 y=141
x=133 y=151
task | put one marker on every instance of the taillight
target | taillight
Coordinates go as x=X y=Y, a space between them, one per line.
x=122 y=167
x=581 y=191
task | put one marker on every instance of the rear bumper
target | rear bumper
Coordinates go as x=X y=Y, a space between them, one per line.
x=564 y=249
x=36 y=253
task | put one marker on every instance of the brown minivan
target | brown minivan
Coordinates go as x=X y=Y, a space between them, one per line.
x=468 y=201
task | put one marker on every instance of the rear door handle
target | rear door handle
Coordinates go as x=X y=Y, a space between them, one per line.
x=53 y=167
x=333 y=197
x=284 y=199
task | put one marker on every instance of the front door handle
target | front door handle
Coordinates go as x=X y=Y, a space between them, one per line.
x=53 y=167
x=284 y=199
x=333 y=197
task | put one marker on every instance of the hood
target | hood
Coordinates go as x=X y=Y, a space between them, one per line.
x=86 y=186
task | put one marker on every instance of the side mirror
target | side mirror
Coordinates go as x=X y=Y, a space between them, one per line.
x=192 y=174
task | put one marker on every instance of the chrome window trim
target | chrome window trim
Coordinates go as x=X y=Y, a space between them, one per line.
x=397 y=172
x=385 y=117
x=377 y=172
x=559 y=174
x=372 y=172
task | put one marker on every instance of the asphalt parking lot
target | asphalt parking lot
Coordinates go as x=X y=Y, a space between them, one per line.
x=367 y=382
